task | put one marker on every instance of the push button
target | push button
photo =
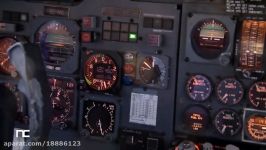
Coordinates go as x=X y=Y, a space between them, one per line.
x=168 y=24
x=148 y=22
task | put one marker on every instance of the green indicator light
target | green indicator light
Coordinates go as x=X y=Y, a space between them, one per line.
x=132 y=36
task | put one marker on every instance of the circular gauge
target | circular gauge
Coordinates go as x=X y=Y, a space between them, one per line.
x=257 y=95
x=256 y=127
x=100 y=72
x=99 y=118
x=62 y=101
x=210 y=38
x=152 y=70
x=196 y=118
x=198 y=88
x=5 y=65
x=57 y=44
x=227 y=122
x=230 y=91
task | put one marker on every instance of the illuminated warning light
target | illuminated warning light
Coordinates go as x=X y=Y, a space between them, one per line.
x=132 y=37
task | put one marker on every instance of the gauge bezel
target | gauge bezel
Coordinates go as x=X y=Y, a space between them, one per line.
x=85 y=88
x=248 y=112
x=100 y=98
x=195 y=39
x=239 y=119
x=162 y=84
x=206 y=78
x=249 y=97
x=71 y=64
x=207 y=120
x=219 y=97
x=192 y=20
x=89 y=78
x=73 y=118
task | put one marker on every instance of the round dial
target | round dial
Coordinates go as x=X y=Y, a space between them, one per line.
x=196 y=118
x=227 y=122
x=256 y=127
x=198 y=88
x=100 y=72
x=62 y=101
x=209 y=38
x=99 y=118
x=57 y=44
x=152 y=70
x=230 y=91
x=257 y=95
x=5 y=65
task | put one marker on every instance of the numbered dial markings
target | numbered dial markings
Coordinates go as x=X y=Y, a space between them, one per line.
x=227 y=122
x=57 y=44
x=62 y=101
x=198 y=88
x=100 y=72
x=210 y=38
x=5 y=65
x=257 y=95
x=152 y=70
x=230 y=91
x=99 y=118
x=256 y=127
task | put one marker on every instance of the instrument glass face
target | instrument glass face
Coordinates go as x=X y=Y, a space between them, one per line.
x=230 y=91
x=256 y=127
x=257 y=95
x=57 y=44
x=196 y=118
x=5 y=65
x=252 y=44
x=99 y=118
x=152 y=70
x=100 y=72
x=210 y=38
x=228 y=122
x=62 y=100
x=198 y=88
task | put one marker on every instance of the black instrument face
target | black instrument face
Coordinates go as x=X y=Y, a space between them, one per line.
x=257 y=95
x=230 y=91
x=196 y=118
x=62 y=101
x=57 y=44
x=228 y=122
x=210 y=38
x=152 y=70
x=256 y=127
x=98 y=118
x=100 y=72
x=198 y=88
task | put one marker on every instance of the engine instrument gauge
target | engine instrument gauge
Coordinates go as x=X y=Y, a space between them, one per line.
x=100 y=72
x=62 y=100
x=230 y=91
x=227 y=122
x=210 y=38
x=252 y=47
x=196 y=118
x=99 y=118
x=152 y=70
x=198 y=88
x=256 y=127
x=257 y=95
x=5 y=65
x=57 y=44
